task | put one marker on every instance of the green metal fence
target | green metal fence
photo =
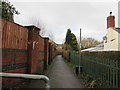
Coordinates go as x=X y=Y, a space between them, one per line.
x=108 y=70
x=105 y=69
x=74 y=58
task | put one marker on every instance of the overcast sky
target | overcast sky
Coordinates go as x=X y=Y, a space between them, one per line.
x=57 y=17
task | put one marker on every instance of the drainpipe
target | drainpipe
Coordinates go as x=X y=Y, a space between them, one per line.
x=27 y=76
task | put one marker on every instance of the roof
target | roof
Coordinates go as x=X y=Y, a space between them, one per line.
x=99 y=47
x=116 y=29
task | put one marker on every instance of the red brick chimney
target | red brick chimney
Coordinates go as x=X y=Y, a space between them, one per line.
x=110 y=21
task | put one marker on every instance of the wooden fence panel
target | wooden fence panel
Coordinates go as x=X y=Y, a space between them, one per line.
x=1 y=33
x=14 y=36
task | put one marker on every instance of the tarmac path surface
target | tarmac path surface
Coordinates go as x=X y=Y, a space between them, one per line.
x=60 y=75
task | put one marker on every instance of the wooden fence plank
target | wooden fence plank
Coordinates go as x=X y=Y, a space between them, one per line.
x=2 y=33
x=26 y=39
x=14 y=36
x=17 y=35
x=18 y=38
x=10 y=34
x=6 y=35
x=13 y=39
x=21 y=34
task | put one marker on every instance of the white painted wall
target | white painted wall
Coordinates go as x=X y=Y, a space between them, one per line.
x=112 y=45
x=119 y=42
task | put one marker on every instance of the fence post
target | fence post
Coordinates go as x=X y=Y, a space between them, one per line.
x=33 y=40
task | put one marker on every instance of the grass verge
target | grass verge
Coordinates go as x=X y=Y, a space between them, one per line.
x=88 y=80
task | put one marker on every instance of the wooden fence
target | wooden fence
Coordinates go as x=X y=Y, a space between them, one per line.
x=23 y=50
x=14 y=36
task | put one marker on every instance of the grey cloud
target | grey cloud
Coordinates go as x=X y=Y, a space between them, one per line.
x=59 y=16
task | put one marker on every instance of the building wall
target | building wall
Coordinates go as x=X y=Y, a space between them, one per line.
x=111 y=44
x=35 y=52
x=119 y=14
x=119 y=42
x=46 y=52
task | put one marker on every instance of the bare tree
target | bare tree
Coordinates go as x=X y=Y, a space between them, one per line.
x=38 y=23
x=88 y=42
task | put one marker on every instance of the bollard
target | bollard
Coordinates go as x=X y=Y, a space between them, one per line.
x=77 y=70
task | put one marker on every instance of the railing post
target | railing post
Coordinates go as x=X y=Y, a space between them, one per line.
x=27 y=76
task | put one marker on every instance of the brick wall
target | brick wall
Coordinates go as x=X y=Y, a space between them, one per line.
x=46 y=52
x=35 y=51
x=110 y=21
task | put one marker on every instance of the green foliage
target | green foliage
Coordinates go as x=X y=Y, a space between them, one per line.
x=92 y=82
x=114 y=55
x=71 y=40
x=8 y=10
x=66 y=47
x=68 y=39
x=66 y=54
x=74 y=43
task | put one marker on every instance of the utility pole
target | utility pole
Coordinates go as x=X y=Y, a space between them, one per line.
x=79 y=67
x=80 y=40
x=80 y=58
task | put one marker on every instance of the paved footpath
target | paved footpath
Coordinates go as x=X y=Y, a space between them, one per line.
x=60 y=75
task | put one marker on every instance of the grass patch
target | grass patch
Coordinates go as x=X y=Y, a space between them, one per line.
x=88 y=80
x=92 y=82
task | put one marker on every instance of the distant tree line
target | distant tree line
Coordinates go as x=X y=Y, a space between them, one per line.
x=88 y=42
x=71 y=43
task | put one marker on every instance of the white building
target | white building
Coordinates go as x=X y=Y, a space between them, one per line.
x=111 y=42
x=112 y=38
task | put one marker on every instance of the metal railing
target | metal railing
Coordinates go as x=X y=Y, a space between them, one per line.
x=27 y=76
x=106 y=69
